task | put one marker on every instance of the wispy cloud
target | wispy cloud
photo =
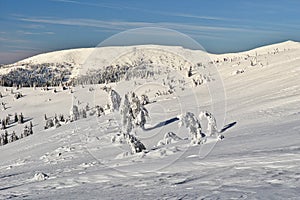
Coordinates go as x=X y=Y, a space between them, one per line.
x=35 y=33
x=12 y=40
x=185 y=15
x=103 y=5
x=124 y=25
x=33 y=26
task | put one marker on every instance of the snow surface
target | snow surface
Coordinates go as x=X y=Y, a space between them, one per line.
x=259 y=158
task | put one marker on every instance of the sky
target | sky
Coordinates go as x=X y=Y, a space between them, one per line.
x=29 y=27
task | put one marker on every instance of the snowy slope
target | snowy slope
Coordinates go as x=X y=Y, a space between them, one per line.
x=259 y=157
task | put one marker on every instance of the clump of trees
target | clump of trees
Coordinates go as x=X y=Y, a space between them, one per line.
x=7 y=121
x=133 y=114
x=198 y=136
x=116 y=73
x=36 y=75
x=6 y=138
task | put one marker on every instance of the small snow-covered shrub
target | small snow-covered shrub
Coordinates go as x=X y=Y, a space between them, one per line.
x=169 y=138
x=40 y=176
x=18 y=95
x=119 y=138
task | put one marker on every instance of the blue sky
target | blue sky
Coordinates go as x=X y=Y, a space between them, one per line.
x=29 y=27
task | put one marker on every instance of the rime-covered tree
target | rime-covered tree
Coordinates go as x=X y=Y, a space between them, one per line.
x=212 y=129
x=49 y=123
x=144 y=99
x=135 y=144
x=192 y=123
x=13 y=137
x=140 y=119
x=74 y=113
x=26 y=131
x=129 y=120
x=83 y=113
x=3 y=124
x=190 y=72
x=5 y=138
x=21 y=118
x=114 y=100
x=16 y=118
x=100 y=111
x=125 y=111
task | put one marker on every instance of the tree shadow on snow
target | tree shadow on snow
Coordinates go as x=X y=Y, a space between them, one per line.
x=228 y=126
x=161 y=124
x=27 y=119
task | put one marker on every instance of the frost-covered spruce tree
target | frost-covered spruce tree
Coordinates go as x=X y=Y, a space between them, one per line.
x=5 y=138
x=3 y=125
x=49 y=123
x=212 y=129
x=83 y=113
x=13 y=137
x=192 y=123
x=114 y=100
x=135 y=144
x=139 y=112
x=144 y=99
x=16 y=118
x=99 y=111
x=135 y=104
x=20 y=119
x=74 y=113
x=26 y=131
x=128 y=120
x=124 y=111
x=140 y=119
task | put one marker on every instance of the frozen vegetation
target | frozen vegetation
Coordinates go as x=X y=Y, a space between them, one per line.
x=146 y=128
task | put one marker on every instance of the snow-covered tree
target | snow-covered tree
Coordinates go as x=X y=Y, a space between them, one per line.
x=192 y=123
x=83 y=113
x=61 y=118
x=169 y=138
x=100 y=111
x=144 y=99
x=16 y=117
x=125 y=107
x=190 y=72
x=132 y=114
x=135 y=104
x=135 y=144
x=212 y=129
x=3 y=124
x=13 y=137
x=74 y=113
x=5 y=138
x=132 y=110
x=49 y=123
x=114 y=100
x=3 y=106
x=26 y=131
x=20 y=119
x=140 y=119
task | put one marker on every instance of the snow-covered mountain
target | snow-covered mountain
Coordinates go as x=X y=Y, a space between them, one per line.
x=258 y=158
x=82 y=64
